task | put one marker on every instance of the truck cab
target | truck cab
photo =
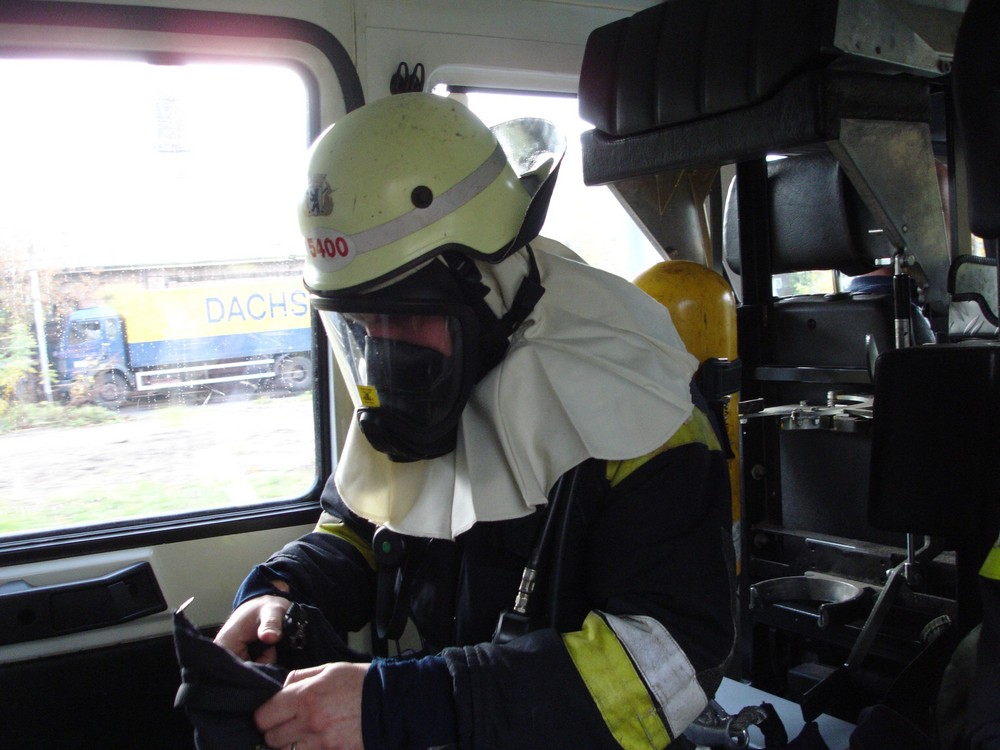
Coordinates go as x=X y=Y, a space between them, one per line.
x=92 y=355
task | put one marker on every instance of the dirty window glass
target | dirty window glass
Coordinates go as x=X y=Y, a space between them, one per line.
x=803 y=282
x=154 y=333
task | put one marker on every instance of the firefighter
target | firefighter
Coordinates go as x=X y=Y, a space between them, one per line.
x=982 y=724
x=516 y=410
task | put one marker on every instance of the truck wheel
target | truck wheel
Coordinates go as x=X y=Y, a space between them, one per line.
x=110 y=389
x=294 y=374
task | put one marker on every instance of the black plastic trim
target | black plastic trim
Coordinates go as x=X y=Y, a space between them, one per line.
x=28 y=613
x=813 y=374
x=120 y=535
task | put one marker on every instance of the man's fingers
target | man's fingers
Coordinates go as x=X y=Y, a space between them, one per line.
x=229 y=638
x=283 y=706
x=297 y=675
x=254 y=623
x=272 y=617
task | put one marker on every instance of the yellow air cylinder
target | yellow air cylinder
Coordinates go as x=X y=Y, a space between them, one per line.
x=703 y=308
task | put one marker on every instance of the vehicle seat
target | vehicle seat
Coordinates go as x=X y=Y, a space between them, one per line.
x=935 y=440
x=818 y=222
x=818 y=344
x=972 y=313
x=817 y=555
x=700 y=83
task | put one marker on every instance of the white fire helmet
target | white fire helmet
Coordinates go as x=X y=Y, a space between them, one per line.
x=403 y=195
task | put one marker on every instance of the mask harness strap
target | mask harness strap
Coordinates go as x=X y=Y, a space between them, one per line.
x=497 y=331
x=527 y=296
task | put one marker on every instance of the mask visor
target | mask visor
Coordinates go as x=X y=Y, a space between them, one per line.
x=398 y=358
x=409 y=370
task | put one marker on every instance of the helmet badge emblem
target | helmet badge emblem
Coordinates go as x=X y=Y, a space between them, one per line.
x=319 y=196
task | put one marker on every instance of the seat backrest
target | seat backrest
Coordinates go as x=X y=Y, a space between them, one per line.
x=935 y=440
x=718 y=55
x=972 y=284
x=818 y=222
x=817 y=219
x=817 y=343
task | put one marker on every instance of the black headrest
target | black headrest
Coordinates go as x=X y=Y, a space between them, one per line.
x=976 y=81
x=818 y=220
x=687 y=59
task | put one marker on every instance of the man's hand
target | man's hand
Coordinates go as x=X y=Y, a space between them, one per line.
x=255 y=621
x=318 y=709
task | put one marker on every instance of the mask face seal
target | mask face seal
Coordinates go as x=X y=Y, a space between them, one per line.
x=412 y=352
x=409 y=374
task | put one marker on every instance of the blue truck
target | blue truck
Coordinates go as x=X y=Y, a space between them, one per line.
x=145 y=342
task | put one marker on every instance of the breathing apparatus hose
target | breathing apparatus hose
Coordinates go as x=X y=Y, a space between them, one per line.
x=564 y=510
x=520 y=620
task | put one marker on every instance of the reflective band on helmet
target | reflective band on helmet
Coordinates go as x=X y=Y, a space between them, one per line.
x=333 y=250
x=640 y=679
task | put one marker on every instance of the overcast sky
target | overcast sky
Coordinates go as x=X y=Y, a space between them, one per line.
x=100 y=160
x=97 y=160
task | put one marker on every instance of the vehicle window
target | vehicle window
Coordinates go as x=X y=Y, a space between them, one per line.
x=588 y=220
x=79 y=332
x=803 y=282
x=155 y=336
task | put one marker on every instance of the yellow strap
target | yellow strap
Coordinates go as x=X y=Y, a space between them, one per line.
x=330 y=525
x=616 y=687
x=697 y=429
x=991 y=567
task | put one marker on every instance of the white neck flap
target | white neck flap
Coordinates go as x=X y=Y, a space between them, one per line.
x=596 y=371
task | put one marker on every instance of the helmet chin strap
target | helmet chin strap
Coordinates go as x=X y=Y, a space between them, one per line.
x=496 y=332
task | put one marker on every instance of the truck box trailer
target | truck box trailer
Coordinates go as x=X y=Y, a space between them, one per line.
x=144 y=342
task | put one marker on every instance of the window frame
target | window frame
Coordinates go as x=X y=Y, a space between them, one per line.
x=32 y=29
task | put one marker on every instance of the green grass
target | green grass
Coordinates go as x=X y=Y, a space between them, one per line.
x=97 y=465
x=143 y=498
x=17 y=416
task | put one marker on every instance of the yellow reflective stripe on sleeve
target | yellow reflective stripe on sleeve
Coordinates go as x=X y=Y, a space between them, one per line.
x=331 y=525
x=697 y=429
x=643 y=684
x=991 y=567
x=615 y=686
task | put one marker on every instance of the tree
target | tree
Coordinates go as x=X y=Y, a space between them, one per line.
x=19 y=356
x=18 y=363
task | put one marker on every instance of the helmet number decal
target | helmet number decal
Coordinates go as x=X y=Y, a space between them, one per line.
x=326 y=247
x=331 y=251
